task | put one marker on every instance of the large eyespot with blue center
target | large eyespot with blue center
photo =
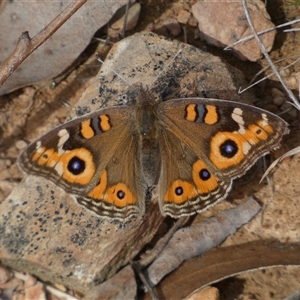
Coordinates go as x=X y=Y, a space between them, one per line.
x=76 y=165
x=227 y=149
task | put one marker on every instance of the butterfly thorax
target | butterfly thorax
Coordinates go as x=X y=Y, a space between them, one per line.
x=148 y=134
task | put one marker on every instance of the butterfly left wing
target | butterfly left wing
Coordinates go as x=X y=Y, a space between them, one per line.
x=96 y=158
x=205 y=143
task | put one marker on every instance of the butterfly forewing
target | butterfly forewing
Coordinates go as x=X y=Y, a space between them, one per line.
x=229 y=136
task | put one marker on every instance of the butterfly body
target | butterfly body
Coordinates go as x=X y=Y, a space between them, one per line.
x=190 y=148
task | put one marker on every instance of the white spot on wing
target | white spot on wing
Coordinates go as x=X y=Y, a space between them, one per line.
x=59 y=168
x=246 y=148
x=39 y=147
x=265 y=120
x=64 y=136
x=237 y=116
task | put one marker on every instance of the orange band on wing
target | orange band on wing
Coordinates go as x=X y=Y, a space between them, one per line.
x=211 y=117
x=191 y=114
x=104 y=122
x=97 y=192
x=265 y=126
x=86 y=130
x=61 y=163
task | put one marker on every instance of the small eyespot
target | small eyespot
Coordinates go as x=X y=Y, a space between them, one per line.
x=120 y=194
x=179 y=191
x=204 y=174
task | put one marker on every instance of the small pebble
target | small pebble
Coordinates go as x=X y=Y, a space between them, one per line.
x=173 y=26
x=285 y=72
x=293 y=81
x=293 y=112
x=20 y=144
x=278 y=100
x=209 y=293
x=4 y=275
x=193 y=21
x=2 y=164
x=276 y=92
x=183 y=16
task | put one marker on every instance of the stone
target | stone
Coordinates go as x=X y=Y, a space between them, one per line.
x=183 y=16
x=173 y=26
x=223 y=23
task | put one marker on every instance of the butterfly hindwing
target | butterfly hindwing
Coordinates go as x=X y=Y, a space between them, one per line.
x=186 y=185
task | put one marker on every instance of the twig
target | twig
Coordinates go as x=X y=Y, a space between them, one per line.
x=266 y=77
x=250 y=37
x=125 y=19
x=26 y=45
x=265 y=53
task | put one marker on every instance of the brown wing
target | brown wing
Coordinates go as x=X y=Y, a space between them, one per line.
x=205 y=144
x=95 y=157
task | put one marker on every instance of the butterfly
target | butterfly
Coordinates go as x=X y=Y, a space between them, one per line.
x=191 y=148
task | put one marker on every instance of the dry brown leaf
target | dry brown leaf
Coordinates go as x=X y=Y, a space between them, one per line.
x=225 y=262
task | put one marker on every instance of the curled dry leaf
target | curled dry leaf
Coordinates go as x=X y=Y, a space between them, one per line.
x=197 y=239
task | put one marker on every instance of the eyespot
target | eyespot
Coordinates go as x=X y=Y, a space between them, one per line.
x=179 y=191
x=204 y=174
x=204 y=180
x=229 y=148
x=76 y=165
x=120 y=194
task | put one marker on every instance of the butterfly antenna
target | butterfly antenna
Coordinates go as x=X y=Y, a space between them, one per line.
x=169 y=63
x=107 y=66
